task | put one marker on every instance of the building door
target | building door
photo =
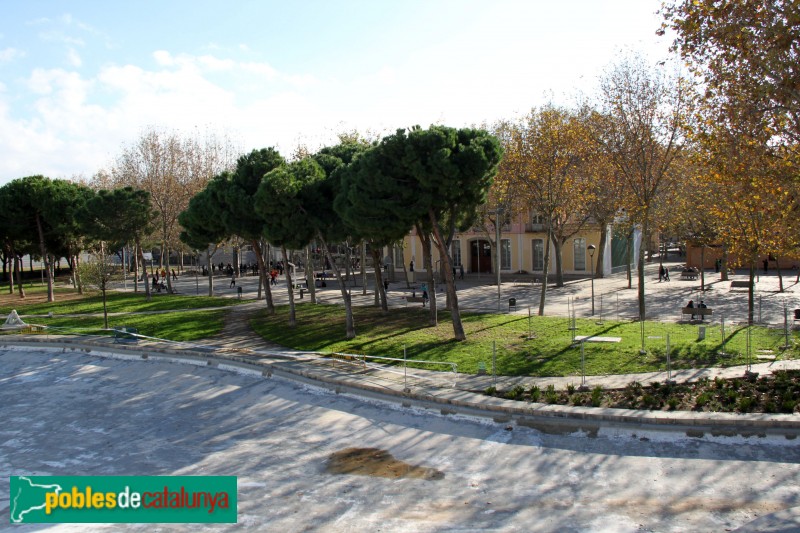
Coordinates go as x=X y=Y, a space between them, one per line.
x=480 y=256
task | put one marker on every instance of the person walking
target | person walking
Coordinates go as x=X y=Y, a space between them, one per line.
x=233 y=280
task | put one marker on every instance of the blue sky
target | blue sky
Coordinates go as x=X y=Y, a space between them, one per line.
x=79 y=80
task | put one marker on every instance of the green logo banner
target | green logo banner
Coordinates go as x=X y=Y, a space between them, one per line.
x=123 y=499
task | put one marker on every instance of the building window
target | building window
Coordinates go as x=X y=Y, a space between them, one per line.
x=398 y=255
x=505 y=254
x=455 y=252
x=538 y=254
x=536 y=223
x=579 y=254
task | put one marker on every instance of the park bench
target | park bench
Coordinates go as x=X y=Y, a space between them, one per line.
x=688 y=276
x=125 y=334
x=298 y=286
x=740 y=284
x=702 y=311
x=416 y=299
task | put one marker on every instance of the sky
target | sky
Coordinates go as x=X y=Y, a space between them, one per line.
x=81 y=80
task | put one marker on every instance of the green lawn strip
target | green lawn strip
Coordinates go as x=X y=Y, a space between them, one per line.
x=120 y=302
x=177 y=326
x=549 y=353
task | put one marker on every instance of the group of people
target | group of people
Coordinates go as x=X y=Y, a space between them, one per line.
x=663 y=273
x=701 y=305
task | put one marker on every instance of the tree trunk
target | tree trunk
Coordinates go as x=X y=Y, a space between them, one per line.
x=290 y=288
x=78 y=280
x=263 y=278
x=559 y=246
x=9 y=261
x=599 y=269
x=703 y=267
x=545 y=270
x=750 y=295
x=780 y=276
x=135 y=268
x=312 y=289
x=45 y=258
x=350 y=330
x=144 y=267
x=724 y=263
x=447 y=265
x=430 y=282
x=629 y=257
x=364 y=269
x=74 y=271
x=379 y=289
x=18 y=266
x=640 y=269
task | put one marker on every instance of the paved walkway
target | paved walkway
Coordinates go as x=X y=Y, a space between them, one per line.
x=613 y=299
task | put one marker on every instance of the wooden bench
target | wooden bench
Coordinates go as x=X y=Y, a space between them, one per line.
x=740 y=284
x=416 y=299
x=702 y=311
x=298 y=286
x=690 y=276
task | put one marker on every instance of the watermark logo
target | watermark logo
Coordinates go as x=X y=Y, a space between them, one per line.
x=123 y=499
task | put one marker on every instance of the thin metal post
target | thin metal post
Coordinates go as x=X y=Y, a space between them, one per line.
x=601 y=308
x=748 y=347
x=530 y=334
x=785 y=326
x=124 y=270
x=494 y=363
x=669 y=362
x=759 y=309
x=643 y=350
x=405 y=371
x=583 y=365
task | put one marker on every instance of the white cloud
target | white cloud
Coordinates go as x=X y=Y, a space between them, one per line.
x=10 y=54
x=73 y=58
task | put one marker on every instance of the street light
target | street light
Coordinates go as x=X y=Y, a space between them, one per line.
x=591 y=249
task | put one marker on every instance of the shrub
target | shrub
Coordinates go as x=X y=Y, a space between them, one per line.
x=702 y=400
x=597 y=396
x=672 y=402
x=650 y=401
x=745 y=404
x=515 y=393
x=491 y=391
x=535 y=393
x=571 y=388
x=788 y=406
x=550 y=394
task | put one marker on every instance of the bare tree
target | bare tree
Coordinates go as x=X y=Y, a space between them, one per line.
x=643 y=112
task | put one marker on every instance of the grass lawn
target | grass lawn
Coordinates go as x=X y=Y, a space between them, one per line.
x=68 y=301
x=550 y=351
x=179 y=318
x=177 y=326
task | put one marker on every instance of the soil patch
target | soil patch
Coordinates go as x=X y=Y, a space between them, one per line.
x=377 y=463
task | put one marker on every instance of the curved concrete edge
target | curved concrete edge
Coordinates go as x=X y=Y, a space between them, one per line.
x=547 y=418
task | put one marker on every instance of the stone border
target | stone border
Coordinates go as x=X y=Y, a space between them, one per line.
x=543 y=417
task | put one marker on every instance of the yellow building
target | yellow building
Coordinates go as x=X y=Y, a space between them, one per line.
x=522 y=243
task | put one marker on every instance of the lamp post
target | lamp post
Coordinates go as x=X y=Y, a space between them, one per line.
x=591 y=249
